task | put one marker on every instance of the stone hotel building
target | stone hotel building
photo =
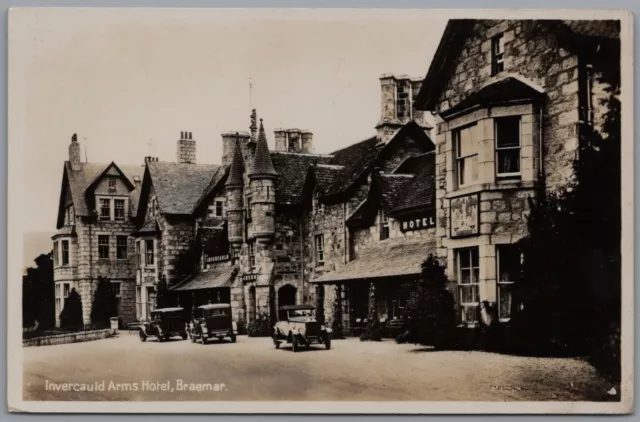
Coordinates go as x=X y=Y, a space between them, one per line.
x=281 y=225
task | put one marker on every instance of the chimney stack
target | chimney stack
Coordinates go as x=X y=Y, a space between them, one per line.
x=186 y=152
x=294 y=144
x=281 y=139
x=74 y=153
x=307 y=142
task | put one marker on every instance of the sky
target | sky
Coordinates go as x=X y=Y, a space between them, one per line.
x=129 y=81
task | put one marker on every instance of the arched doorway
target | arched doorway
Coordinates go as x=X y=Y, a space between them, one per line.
x=286 y=296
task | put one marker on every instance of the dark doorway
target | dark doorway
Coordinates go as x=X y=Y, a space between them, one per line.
x=286 y=296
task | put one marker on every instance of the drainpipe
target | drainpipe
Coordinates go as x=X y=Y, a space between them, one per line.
x=540 y=147
x=301 y=256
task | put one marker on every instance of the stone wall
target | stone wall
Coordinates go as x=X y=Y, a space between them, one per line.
x=176 y=239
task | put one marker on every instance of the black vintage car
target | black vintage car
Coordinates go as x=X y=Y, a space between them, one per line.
x=164 y=324
x=213 y=320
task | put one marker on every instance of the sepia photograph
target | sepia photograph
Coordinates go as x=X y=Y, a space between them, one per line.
x=320 y=211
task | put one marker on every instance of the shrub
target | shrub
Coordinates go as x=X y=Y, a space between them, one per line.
x=320 y=304
x=71 y=315
x=261 y=326
x=430 y=311
x=104 y=304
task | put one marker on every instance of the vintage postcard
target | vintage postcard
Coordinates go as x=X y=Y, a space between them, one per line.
x=320 y=211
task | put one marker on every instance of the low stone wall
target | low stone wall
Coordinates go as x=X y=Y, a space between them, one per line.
x=68 y=338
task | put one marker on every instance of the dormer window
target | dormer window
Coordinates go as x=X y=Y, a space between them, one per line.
x=497 y=54
x=112 y=185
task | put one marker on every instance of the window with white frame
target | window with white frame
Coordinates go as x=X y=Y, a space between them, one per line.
x=384 y=225
x=252 y=254
x=509 y=265
x=468 y=273
x=217 y=208
x=61 y=293
x=103 y=246
x=119 y=207
x=149 y=252
x=121 y=247
x=116 y=287
x=507 y=133
x=105 y=209
x=319 y=242
x=65 y=252
x=497 y=54
x=55 y=254
x=466 y=150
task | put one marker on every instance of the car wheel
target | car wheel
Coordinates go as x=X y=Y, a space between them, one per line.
x=327 y=341
x=233 y=338
x=294 y=344
x=143 y=336
x=160 y=337
x=276 y=342
x=167 y=337
x=203 y=340
x=193 y=338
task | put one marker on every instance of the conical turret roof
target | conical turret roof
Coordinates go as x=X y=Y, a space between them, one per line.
x=262 y=164
x=236 y=169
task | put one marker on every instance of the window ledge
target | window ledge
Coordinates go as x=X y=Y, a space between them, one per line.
x=487 y=187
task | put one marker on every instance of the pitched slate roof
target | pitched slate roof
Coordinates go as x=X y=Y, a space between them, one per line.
x=262 y=165
x=573 y=33
x=392 y=188
x=292 y=169
x=421 y=191
x=179 y=186
x=357 y=159
x=401 y=257
x=78 y=181
x=326 y=174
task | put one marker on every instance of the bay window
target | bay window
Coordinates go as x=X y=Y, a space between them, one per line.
x=149 y=252
x=55 y=254
x=507 y=133
x=466 y=155
x=468 y=273
x=61 y=293
x=509 y=263
x=65 y=252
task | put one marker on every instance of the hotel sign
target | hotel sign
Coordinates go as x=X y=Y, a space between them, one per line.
x=417 y=223
x=464 y=216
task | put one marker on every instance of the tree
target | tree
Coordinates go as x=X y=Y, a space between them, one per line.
x=430 y=315
x=373 y=330
x=38 y=294
x=104 y=303
x=163 y=299
x=71 y=315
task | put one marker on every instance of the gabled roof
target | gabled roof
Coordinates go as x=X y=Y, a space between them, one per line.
x=392 y=188
x=366 y=153
x=325 y=174
x=509 y=88
x=421 y=192
x=292 y=169
x=179 y=186
x=79 y=182
x=572 y=33
x=215 y=185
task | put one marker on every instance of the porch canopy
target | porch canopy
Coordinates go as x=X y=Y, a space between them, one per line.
x=386 y=259
x=210 y=279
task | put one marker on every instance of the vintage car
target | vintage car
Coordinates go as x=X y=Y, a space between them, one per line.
x=164 y=324
x=213 y=320
x=300 y=328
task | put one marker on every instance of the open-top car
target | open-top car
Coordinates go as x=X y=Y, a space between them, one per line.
x=300 y=328
x=213 y=320
x=164 y=324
